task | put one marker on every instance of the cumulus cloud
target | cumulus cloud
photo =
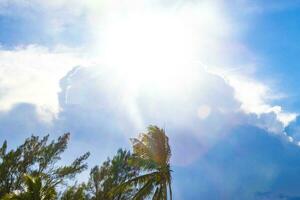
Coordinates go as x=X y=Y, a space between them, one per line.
x=34 y=76
x=224 y=148
x=21 y=121
x=212 y=37
x=196 y=118
x=256 y=97
x=31 y=75
x=96 y=107
x=106 y=103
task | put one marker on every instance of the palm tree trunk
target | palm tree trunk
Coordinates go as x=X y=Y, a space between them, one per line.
x=165 y=191
x=170 y=191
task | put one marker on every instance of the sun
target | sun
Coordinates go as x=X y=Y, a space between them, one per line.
x=155 y=48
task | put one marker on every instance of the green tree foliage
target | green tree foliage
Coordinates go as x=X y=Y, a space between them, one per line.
x=75 y=193
x=39 y=158
x=34 y=190
x=31 y=171
x=112 y=173
x=152 y=154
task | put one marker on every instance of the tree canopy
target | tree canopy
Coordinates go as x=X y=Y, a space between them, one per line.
x=32 y=171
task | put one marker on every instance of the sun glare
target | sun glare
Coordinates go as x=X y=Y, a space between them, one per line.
x=150 y=49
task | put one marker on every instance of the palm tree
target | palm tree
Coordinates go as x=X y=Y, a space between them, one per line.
x=34 y=190
x=152 y=154
x=112 y=173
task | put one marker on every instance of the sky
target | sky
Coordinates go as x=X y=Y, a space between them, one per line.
x=221 y=77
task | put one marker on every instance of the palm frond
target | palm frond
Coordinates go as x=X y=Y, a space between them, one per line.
x=135 y=181
x=152 y=153
x=157 y=194
x=144 y=191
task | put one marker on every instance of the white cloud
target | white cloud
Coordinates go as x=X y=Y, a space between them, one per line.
x=101 y=108
x=255 y=97
x=31 y=75
x=195 y=119
x=213 y=35
x=206 y=106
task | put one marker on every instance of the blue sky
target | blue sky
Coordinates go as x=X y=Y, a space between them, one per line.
x=220 y=77
x=274 y=38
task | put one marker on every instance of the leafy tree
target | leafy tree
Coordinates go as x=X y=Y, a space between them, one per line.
x=34 y=190
x=111 y=174
x=75 y=193
x=31 y=171
x=10 y=169
x=38 y=158
x=152 y=154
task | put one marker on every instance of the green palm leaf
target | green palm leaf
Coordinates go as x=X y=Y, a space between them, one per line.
x=34 y=190
x=152 y=153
